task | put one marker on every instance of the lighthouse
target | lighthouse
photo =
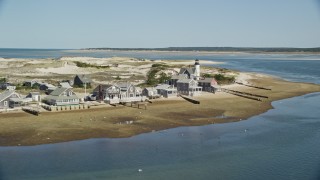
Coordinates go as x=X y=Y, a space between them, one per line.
x=197 y=69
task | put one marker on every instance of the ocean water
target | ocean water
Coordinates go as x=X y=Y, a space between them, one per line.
x=283 y=143
x=294 y=67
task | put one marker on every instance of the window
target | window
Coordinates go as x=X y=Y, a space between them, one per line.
x=5 y=103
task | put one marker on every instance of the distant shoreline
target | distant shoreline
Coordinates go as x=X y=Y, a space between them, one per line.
x=220 y=50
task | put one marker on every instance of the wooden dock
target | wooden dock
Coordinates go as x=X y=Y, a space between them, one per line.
x=31 y=111
x=257 y=87
x=190 y=99
x=244 y=94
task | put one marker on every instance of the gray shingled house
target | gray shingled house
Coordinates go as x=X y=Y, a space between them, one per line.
x=190 y=72
x=81 y=79
x=188 y=87
x=175 y=78
x=122 y=92
x=106 y=92
x=166 y=90
x=6 y=97
x=130 y=93
x=208 y=84
x=62 y=97
x=150 y=92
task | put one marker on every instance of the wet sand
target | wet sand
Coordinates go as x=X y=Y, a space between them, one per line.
x=22 y=129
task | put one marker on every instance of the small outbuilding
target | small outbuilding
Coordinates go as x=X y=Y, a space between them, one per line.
x=150 y=92
x=34 y=96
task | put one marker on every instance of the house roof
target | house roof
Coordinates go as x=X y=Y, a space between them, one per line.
x=65 y=85
x=124 y=85
x=151 y=88
x=48 y=85
x=103 y=86
x=138 y=89
x=189 y=70
x=185 y=80
x=62 y=97
x=206 y=80
x=56 y=94
x=84 y=78
x=58 y=91
x=16 y=99
x=164 y=86
x=179 y=76
x=6 y=94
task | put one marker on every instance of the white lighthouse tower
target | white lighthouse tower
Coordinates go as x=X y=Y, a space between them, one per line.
x=197 y=69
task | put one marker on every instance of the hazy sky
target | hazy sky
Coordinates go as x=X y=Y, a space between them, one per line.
x=159 y=23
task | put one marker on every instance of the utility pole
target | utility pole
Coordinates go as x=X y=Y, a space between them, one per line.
x=85 y=90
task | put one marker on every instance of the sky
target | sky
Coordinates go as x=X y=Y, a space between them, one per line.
x=73 y=24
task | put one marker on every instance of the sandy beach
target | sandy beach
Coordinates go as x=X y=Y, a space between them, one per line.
x=22 y=129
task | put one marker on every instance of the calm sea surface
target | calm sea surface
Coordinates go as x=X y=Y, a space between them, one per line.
x=295 y=67
x=283 y=143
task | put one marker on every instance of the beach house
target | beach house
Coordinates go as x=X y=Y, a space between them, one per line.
x=129 y=92
x=9 y=97
x=188 y=87
x=62 y=97
x=107 y=92
x=175 y=78
x=166 y=90
x=150 y=92
x=208 y=84
x=121 y=92
x=81 y=80
x=192 y=72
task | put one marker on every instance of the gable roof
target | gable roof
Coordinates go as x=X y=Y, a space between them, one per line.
x=189 y=70
x=58 y=91
x=48 y=85
x=103 y=86
x=185 y=80
x=124 y=85
x=56 y=94
x=164 y=86
x=206 y=80
x=65 y=85
x=84 y=78
x=150 y=89
x=179 y=76
x=7 y=94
